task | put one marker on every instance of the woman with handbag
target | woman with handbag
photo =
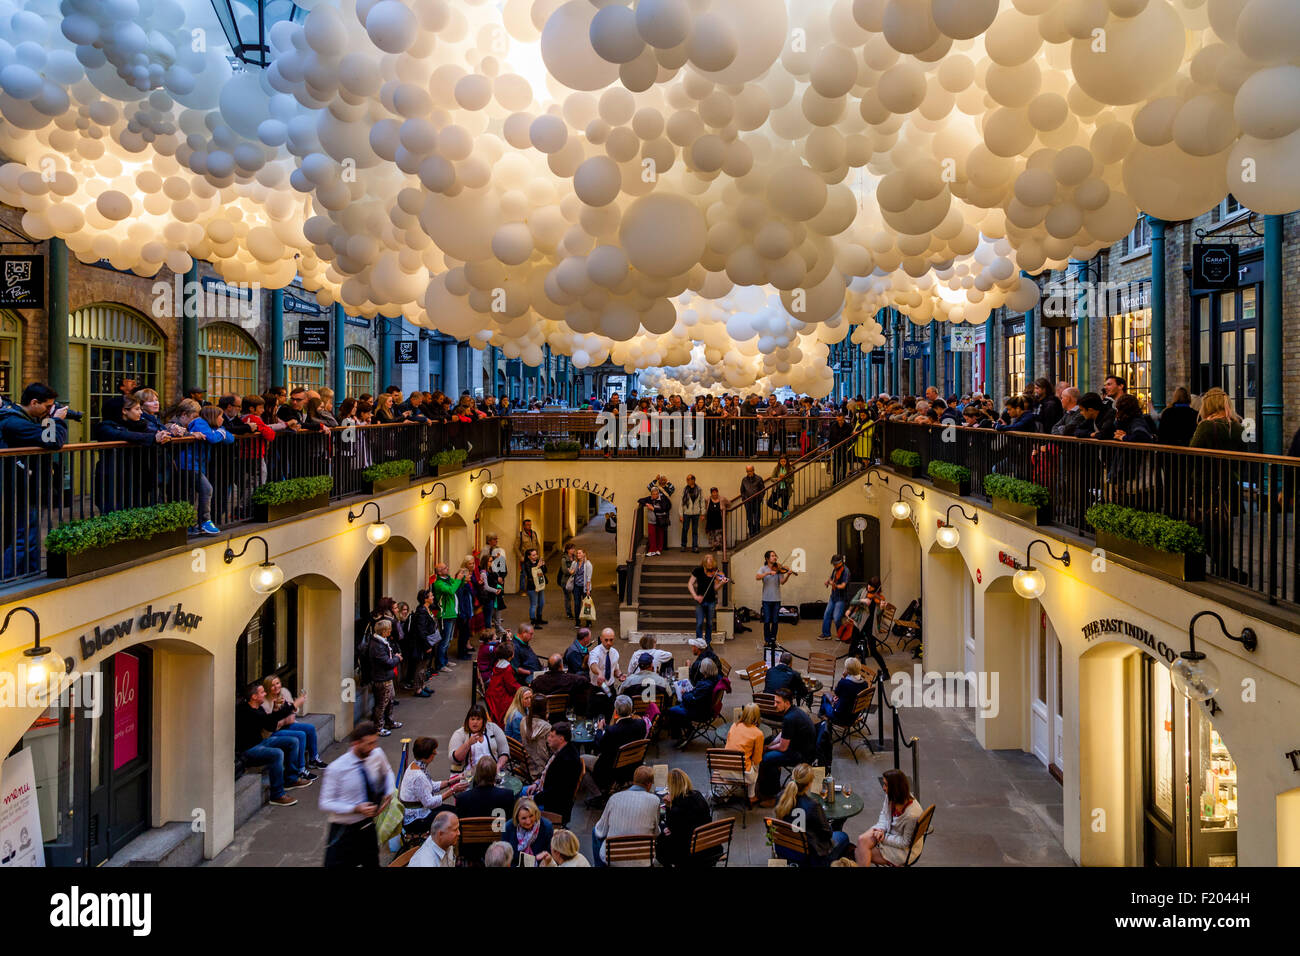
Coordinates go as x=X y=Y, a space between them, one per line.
x=533 y=571
x=579 y=585
x=779 y=498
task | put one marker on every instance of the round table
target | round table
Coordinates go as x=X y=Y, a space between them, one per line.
x=841 y=809
x=584 y=733
x=512 y=783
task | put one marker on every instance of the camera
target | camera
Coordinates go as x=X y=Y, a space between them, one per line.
x=72 y=416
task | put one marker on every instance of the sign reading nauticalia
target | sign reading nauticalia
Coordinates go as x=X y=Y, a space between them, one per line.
x=573 y=484
x=1095 y=629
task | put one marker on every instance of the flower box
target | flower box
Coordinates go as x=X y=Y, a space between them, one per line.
x=112 y=555
x=561 y=455
x=906 y=471
x=390 y=484
x=1014 y=509
x=289 y=509
x=960 y=489
x=1184 y=567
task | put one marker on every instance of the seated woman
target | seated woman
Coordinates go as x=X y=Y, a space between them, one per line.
x=566 y=850
x=825 y=845
x=746 y=736
x=886 y=843
x=528 y=730
x=528 y=832
x=697 y=703
x=838 y=706
x=478 y=737
x=687 y=809
x=502 y=685
x=420 y=793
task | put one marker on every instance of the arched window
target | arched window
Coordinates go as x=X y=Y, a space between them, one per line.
x=306 y=369
x=109 y=342
x=228 y=360
x=359 y=369
x=11 y=356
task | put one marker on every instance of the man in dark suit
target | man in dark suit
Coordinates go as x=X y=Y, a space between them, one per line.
x=559 y=784
x=554 y=680
x=484 y=796
x=625 y=729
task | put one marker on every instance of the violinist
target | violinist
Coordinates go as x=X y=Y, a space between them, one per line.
x=773 y=574
x=704 y=584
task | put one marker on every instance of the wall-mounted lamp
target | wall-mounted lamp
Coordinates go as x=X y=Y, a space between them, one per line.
x=902 y=510
x=1194 y=674
x=446 y=507
x=36 y=669
x=1029 y=581
x=884 y=476
x=378 y=532
x=490 y=489
x=948 y=536
x=267 y=576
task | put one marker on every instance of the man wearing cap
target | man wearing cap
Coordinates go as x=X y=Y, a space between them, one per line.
x=703 y=651
x=645 y=675
x=838 y=582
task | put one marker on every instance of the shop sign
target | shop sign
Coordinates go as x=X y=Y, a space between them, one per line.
x=878 y=357
x=573 y=484
x=1294 y=757
x=126 y=709
x=913 y=350
x=963 y=340
x=20 y=817
x=406 y=352
x=313 y=336
x=22 y=282
x=1214 y=266
x=175 y=617
x=1133 y=632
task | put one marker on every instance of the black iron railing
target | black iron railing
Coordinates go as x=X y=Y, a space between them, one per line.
x=1245 y=505
x=40 y=490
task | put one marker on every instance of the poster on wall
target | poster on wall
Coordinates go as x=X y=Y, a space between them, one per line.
x=313 y=336
x=126 y=708
x=20 y=817
x=963 y=340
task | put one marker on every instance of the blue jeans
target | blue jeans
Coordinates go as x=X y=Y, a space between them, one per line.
x=704 y=620
x=307 y=732
x=273 y=752
x=596 y=844
x=834 y=614
x=448 y=625
x=770 y=616
x=691 y=526
x=536 y=603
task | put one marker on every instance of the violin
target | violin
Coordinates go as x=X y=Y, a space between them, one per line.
x=782 y=569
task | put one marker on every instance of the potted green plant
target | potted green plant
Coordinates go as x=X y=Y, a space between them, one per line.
x=446 y=461
x=389 y=475
x=284 y=499
x=1157 y=541
x=1017 y=498
x=107 y=540
x=949 y=477
x=562 y=450
x=905 y=462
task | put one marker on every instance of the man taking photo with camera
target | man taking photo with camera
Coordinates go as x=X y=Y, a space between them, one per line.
x=33 y=423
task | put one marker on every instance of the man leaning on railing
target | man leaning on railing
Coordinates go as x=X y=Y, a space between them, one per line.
x=28 y=481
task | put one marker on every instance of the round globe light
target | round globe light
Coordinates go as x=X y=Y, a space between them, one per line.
x=446 y=508
x=378 y=533
x=266 y=578
x=1195 y=677
x=901 y=510
x=948 y=536
x=1029 y=583
x=490 y=489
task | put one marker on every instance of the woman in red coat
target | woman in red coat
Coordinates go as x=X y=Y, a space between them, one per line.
x=502 y=685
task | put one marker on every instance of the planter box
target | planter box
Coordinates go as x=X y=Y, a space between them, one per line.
x=561 y=455
x=70 y=565
x=1013 y=509
x=435 y=470
x=289 y=509
x=390 y=484
x=961 y=490
x=907 y=471
x=1185 y=567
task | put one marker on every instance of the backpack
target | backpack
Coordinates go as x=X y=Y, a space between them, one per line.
x=362 y=654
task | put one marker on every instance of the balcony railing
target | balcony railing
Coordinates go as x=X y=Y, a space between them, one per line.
x=1244 y=504
x=39 y=490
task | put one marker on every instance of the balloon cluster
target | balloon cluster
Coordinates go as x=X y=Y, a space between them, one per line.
x=738 y=183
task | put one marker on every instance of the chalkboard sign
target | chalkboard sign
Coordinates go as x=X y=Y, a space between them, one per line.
x=22 y=282
x=1214 y=266
x=405 y=352
x=314 y=336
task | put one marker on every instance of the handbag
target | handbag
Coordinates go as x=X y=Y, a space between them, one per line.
x=389 y=823
x=539 y=578
x=587 y=615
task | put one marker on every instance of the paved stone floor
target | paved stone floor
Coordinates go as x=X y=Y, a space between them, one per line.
x=992 y=808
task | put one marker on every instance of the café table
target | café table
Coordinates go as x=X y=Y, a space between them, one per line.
x=840 y=810
x=512 y=783
x=584 y=733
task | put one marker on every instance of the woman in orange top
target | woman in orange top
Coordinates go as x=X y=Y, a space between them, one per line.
x=746 y=736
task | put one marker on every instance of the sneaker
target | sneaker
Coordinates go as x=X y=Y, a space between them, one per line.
x=450 y=664
x=395 y=725
x=315 y=763
x=284 y=800
x=209 y=528
x=542 y=620
x=297 y=784
x=424 y=692
x=385 y=733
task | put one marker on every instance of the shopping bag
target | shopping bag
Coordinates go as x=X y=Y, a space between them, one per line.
x=389 y=823
x=587 y=614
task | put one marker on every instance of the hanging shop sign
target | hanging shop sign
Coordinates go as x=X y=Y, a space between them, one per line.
x=313 y=336
x=878 y=357
x=913 y=350
x=406 y=352
x=962 y=340
x=126 y=710
x=20 y=816
x=1214 y=266
x=22 y=282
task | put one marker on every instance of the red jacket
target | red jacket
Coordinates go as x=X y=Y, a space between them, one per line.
x=256 y=447
x=501 y=693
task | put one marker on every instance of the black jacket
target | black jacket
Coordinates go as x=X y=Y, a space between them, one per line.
x=684 y=814
x=525 y=661
x=698 y=701
x=1047 y=413
x=1177 y=425
x=1103 y=426
x=20 y=430
x=621 y=732
x=782 y=676
x=561 y=782
x=481 y=801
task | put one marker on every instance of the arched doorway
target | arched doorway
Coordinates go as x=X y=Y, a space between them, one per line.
x=949 y=612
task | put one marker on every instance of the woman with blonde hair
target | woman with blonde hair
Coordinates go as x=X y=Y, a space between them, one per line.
x=687 y=809
x=838 y=706
x=1219 y=429
x=746 y=736
x=530 y=731
x=528 y=833
x=566 y=850
x=825 y=845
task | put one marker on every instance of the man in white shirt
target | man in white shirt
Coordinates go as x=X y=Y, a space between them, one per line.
x=356 y=789
x=604 y=674
x=630 y=812
x=440 y=848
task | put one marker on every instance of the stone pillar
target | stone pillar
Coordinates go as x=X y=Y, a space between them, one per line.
x=451 y=371
x=1157 y=314
x=56 y=312
x=275 y=374
x=1271 y=407
x=340 y=367
x=191 y=296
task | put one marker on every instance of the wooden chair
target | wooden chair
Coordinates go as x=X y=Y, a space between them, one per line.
x=517 y=763
x=783 y=836
x=630 y=756
x=704 y=729
x=557 y=821
x=630 y=849
x=756 y=674
x=857 y=725
x=822 y=666
x=727 y=783
x=707 y=839
x=767 y=711
x=884 y=624
x=404 y=857
x=476 y=834
x=724 y=669
x=923 y=830
x=550 y=707
x=913 y=628
x=480 y=689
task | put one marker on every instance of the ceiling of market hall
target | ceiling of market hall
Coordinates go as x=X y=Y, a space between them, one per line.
x=727 y=187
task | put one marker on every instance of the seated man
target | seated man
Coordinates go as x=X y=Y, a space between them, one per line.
x=795 y=744
x=697 y=703
x=575 y=652
x=630 y=812
x=555 y=680
x=558 y=786
x=290 y=710
x=784 y=675
x=251 y=721
x=646 y=676
x=703 y=652
x=660 y=661
x=625 y=729
x=440 y=848
x=525 y=661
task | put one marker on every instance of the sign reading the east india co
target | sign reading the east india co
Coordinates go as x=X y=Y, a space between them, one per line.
x=1095 y=629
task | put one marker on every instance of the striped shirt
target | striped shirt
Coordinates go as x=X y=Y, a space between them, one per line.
x=631 y=812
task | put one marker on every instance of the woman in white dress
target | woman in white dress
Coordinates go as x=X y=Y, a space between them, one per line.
x=887 y=842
